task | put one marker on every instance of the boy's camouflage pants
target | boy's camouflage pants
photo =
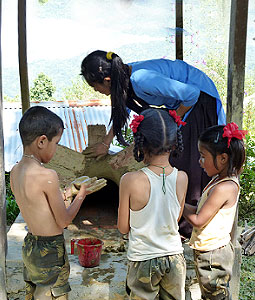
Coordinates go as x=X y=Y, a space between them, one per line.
x=46 y=267
x=214 y=270
x=157 y=278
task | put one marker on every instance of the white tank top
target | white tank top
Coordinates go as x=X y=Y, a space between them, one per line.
x=154 y=229
x=216 y=233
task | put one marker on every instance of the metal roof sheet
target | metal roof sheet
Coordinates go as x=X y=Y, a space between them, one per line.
x=75 y=118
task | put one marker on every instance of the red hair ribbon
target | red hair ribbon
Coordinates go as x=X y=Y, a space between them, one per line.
x=231 y=131
x=136 y=122
x=177 y=118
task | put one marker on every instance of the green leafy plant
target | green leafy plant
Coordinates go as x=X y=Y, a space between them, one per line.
x=128 y=135
x=247 y=202
x=247 y=182
x=42 y=1
x=249 y=86
x=216 y=68
x=12 y=99
x=43 y=89
x=247 y=279
x=12 y=209
x=248 y=117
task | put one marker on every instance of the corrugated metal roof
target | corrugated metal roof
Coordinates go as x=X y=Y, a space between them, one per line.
x=75 y=118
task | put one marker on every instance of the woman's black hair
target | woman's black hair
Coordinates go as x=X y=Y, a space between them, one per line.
x=94 y=68
x=156 y=134
x=38 y=121
x=213 y=141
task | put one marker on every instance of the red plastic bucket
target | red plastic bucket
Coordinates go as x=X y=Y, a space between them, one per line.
x=89 y=251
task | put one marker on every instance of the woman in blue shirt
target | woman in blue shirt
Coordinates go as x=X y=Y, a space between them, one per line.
x=158 y=82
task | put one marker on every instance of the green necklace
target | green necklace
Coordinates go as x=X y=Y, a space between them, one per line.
x=164 y=177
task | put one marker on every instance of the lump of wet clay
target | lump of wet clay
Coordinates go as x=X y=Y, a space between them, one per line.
x=116 y=249
x=95 y=185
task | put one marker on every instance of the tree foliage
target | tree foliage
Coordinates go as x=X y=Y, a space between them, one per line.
x=247 y=182
x=43 y=89
x=12 y=209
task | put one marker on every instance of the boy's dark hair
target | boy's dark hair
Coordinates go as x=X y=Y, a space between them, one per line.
x=156 y=134
x=37 y=121
x=94 y=68
x=213 y=141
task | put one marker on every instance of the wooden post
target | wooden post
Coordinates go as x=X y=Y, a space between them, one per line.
x=236 y=68
x=236 y=60
x=179 y=29
x=22 y=38
x=235 y=95
x=3 y=237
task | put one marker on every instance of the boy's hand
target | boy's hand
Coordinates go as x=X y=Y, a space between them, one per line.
x=97 y=185
x=83 y=191
x=84 y=180
x=83 y=183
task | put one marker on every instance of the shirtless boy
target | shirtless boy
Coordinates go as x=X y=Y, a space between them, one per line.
x=37 y=193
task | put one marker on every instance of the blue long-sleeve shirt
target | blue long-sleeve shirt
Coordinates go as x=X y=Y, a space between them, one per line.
x=171 y=83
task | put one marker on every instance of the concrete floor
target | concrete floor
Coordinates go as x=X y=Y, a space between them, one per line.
x=105 y=282
x=96 y=218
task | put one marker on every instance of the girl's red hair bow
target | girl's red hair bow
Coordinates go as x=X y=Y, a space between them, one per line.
x=177 y=118
x=136 y=122
x=231 y=131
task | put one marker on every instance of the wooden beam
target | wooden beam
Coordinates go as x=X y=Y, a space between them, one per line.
x=3 y=237
x=236 y=60
x=22 y=39
x=236 y=69
x=235 y=95
x=179 y=29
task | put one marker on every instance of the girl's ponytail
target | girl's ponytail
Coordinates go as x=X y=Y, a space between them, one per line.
x=179 y=144
x=95 y=68
x=138 y=147
x=119 y=91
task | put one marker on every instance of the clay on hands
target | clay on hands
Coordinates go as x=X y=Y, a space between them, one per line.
x=93 y=183
x=97 y=185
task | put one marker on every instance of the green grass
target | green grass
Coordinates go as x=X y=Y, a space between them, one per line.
x=247 y=280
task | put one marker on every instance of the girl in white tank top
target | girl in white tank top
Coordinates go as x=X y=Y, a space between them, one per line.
x=150 y=205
